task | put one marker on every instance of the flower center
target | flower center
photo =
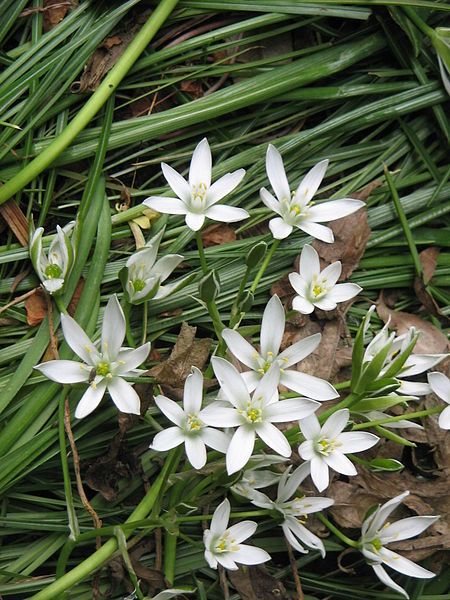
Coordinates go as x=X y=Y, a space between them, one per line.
x=138 y=285
x=103 y=369
x=198 y=192
x=225 y=544
x=265 y=366
x=193 y=423
x=317 y=290
x=377 y=544
x=53 y=271
x=326 y=447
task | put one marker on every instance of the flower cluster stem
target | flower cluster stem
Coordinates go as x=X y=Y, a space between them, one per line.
x=337 y=532
x=72 y=517
x=201 y=252
x=412 y=415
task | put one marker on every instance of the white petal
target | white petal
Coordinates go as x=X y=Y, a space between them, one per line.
x=309 y=263
x=241 y=349
x=277 y=174
x=240 y=449
x=418 y=363
x=167 y=439
x=251 y=379
x=78 y=340
x=171 y=409
x=388 y=581
x=306 y=449
x=226 y=214
x=310 y=427
x=353 y=441
x=295 y=479
x=220 y=518
x=215 y=439
x=290 y=537
x=308 y=385
x=249 y=555
x=405 y=528
x=290 y=410
x=194 y=221
x=273 y=437
x=335 y=423
x=403 y=565
x=231 y=382
x=64 y=371
x=53 y=285
x=300 y=350
x=226 y=560
x=267 y=387
x=325 y=303
x=131 y=359
x=374 y=522
x=302 y=305
x=312 y=180
x=319 y=473
x=340 y=463
x=306 y=536
x=272 y=327
x=444 y=418
x=177 y=182
x=269 y=200
x=440 y=384
x=413 y=388
x=193 y=391
x=124 y=396
x=331 y=273
x=243 y=530
x=195 y=451
x=320 y=232
x=219 y=416
x=223 y=186
x=201 y=165
x=299 y=284
x=333 y=209
x=344 y=291
x=90 y=400
x=165 y=265
x=169 y=206
x=280 y=230
x=113 y=329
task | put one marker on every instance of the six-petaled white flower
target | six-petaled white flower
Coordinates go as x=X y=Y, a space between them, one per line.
x=143 y=275
x=223 y=544
x=253 y=415
x=376 y=534
x=440 y=385
x=198 y=198
x=254 y=478
x=190 y=429
x=325 y=447
x=296 y=209
x=104 y=367
x=54 y=268
x=294 y=510
x=316 y=288
x=272 y=330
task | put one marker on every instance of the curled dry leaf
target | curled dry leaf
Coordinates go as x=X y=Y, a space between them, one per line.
x=217 y=234
x=55 y=11
x=428 y=260
x=36 y=307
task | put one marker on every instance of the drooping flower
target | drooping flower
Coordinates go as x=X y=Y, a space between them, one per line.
x=440 y=385
x=294 y=510
x=316 y=288
x=375 y=535
x=189 y=429
x=143 y=275
x=296 y=209
x=223 y=544
x=325 y=447
x=53 y=269
x=253 y=415
x=255 y=478
x=198 y=198
x=272 y=330
x=104 y=367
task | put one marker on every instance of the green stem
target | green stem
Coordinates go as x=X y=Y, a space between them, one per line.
x=234 y=315
x=170 y=549
x=96 y=560
x=346 y=403
x=201 y=252
x=233 y=515
x=127 y=313
x=418 y=22
x=264 y=265
x=60 y=305
x=94 y=104
x=336 y=532
x=71 y=514
x=144 y=322
x=412 y=415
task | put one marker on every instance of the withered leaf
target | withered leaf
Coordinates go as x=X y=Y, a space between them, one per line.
x=367 y=190
x=55 y=11
x=76 y=297
x=351 y=234
x=16 y=220
x=36 y=307
x=192 y=87
x=217 y=234
x=428 y=260
x=188 y=352
x=256 y=583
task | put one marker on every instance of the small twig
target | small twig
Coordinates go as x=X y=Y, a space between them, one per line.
x=53 y=339
x=224 y=583
x=18 y=300
x=298 y=584
x=158 y=549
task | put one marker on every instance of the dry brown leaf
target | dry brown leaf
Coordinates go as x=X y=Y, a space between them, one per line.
x=220 y=233
x=192 y=87
x=55 y=11
x=431 y=340
x=16 y=220
x=36 y=307
x=351 y=235
x=188 y=352
x=428 y=260
x=256 y=583
x=76 y=297
x=367 y=190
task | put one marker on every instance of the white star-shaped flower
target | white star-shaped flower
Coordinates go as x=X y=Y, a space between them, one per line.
x=189 y=429
x=325 y=447
x=272 y=330
x=440 y=385
x=316 y=288
x=198 y=198
x=296 y=209
x=104 y=367
x=223 y=544
x=376 y=534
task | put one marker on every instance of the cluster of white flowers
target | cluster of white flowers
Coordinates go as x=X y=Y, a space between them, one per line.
x=252 y=400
